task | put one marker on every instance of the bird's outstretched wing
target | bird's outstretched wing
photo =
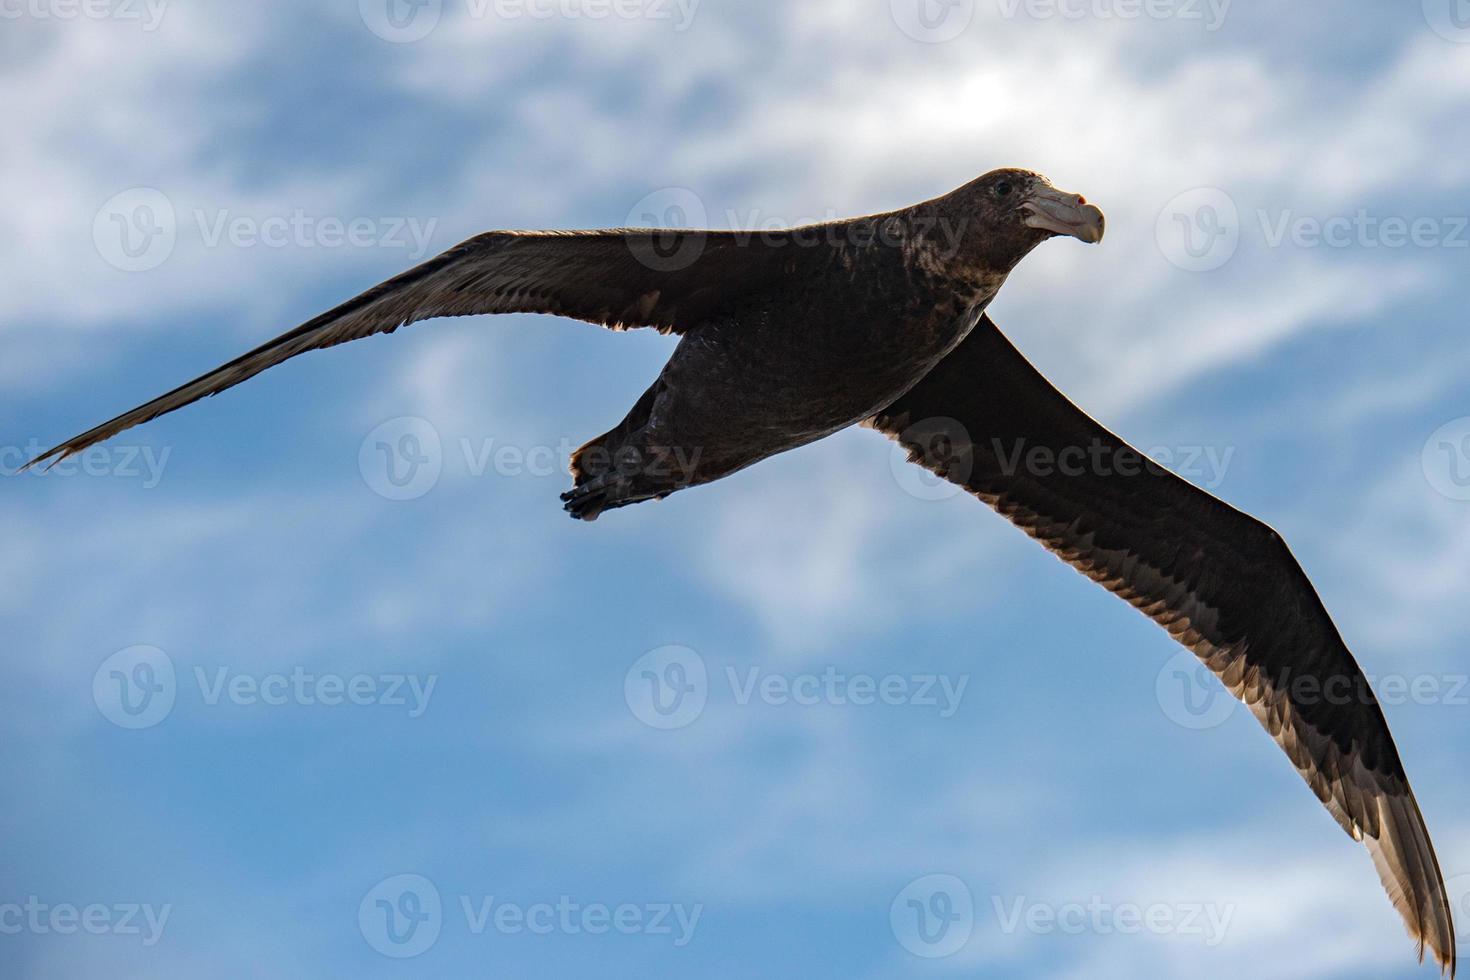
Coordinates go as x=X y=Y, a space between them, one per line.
x=622 y=278
x=1222 y=583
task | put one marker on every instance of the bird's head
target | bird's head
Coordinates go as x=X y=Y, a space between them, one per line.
x=1007 y=213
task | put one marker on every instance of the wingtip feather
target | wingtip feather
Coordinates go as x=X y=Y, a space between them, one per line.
x=50 y=457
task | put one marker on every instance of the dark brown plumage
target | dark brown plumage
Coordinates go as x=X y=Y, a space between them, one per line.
x=786 y=337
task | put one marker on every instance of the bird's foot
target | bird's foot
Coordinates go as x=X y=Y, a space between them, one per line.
x=592 y=495
x=587 y=500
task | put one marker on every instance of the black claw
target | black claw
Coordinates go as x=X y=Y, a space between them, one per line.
x=584 y=502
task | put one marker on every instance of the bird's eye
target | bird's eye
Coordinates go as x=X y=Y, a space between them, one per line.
x=1003 y=189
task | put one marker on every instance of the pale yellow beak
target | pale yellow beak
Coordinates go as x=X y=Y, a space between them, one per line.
x=1064 y=214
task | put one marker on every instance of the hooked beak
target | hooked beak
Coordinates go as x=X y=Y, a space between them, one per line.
x=1064 y=214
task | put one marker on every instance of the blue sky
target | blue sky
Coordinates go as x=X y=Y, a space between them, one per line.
x=1039 y=755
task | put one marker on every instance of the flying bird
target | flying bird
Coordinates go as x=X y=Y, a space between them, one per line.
x=789 y=336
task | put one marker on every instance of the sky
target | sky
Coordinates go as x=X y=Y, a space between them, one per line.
x=316 y=679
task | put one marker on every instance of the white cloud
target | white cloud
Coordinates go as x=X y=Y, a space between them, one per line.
x=1289 y=911
x=1409 y=555
x=257 y=582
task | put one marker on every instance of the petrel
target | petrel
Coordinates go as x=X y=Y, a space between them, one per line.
x=789 y=336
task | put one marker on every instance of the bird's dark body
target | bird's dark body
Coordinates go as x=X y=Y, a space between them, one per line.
x=842 y=331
